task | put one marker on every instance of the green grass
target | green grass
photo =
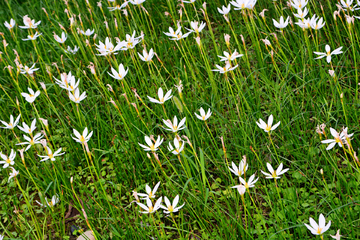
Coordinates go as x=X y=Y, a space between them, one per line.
x=283 y=79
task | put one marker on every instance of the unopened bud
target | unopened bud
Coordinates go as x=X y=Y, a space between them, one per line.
x=321 y=171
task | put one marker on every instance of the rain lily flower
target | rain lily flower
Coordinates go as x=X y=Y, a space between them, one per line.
x=238 y=171
x=274 y=174
x=318 y=229
x=267 y=127
x=8 y=160
x=31 y=96
x=32 y=37
x=14 y=173
x=202 y=115
x=281 y=24
x=71 y=85
x=118 y=7
x=191 y=1
x=195 y=27
x=61 y=39
x=11 y=124
x=88 y=32
x=298 y=4
x=301 y=13
x=224 y=10
x=29 y=23
x=337 y=236
x=130 y=42
x=28 y=70
x=51 y=155
x=31 y=141
x=241 y=189
x=230 y=57
x=136 y=2
x=64 y=79
x=10 y=25
x=72 y=51
x=149 y=192
x=146 y=57
x=176 y=35
x=338 y=138
x=174 y=127
x=328 y=54
x=179 y=146
x=225 y=69
x=107 y=48
x=171 y=208
x=162 y=98
x=151 y=146
x=76 y=97
x=82 y=138
x=120 y=74
x=54 y=200
x=150 y=208
x=316 y=25
x=243 y=4
x=304 y=23
x=346 y=5
x=250 y=183
x=25 y=128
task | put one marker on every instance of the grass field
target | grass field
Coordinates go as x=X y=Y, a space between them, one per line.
x=180 y=120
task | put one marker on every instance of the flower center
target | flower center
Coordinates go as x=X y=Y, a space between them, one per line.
x=268 y=128
x=152 y=147
x=319 y=230
x=119 y=75
x=171 y=208
x=151 y=209
x=246 y=185
x=274 y=174
x=82 y=139
x=8 y=160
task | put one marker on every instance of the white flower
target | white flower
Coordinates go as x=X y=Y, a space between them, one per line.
x=267 y=127
x=250 y=183
x=230 y=57
x=61 y=39
x=10 y=25
x=8 y=160
x=76 y=97
x=347 y=5
x=146 y=57
x=282 y=23
x=241 y=189
x=136 y=2
x=151 y=146
x=12 y=123
x=191 y=1
x=82 y=138
x=176 y=35
x=338 y=138
x=328 y=54
x=130 y=42
x=72 y=51
x=51 y=155
x=28 y=70
x=162 y=98
x=88 y=32
x=171 y=208
x=29 y=23
x=25 y=128
x=71 y=84
x=150 y=193
x=301 y=13
x=31 y=96
x=243 y=4
x=224 y=10
x=318 y=229
x=118 y=7
x=107 y=48
x=31 y=141
x=238 y=171
x=202 y=115
x=120 y=74
x=337 y=236
x=54 y=200
x=174 y=127
x=14 y=173
x=64 y=80
x=298 y=4
x=304 y=23
x=274 y=174
x=179 y=146
x=195 y=27
x=225 y=69
x=150 y=208
x=32 y=37
x=317 y=24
